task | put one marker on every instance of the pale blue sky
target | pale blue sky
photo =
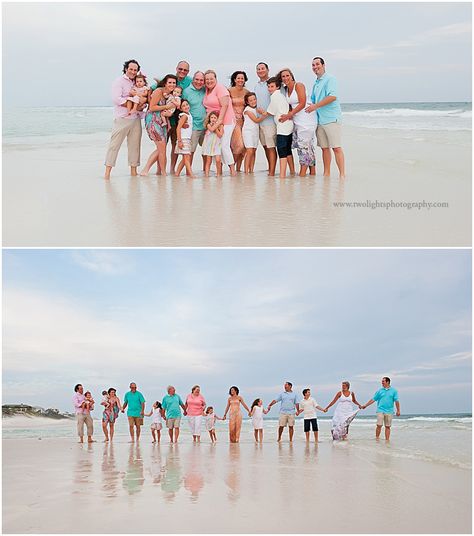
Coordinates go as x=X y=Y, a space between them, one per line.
x=68 y=54
x=253 y=318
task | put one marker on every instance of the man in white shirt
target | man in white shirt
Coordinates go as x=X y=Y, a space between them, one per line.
x=279 y=106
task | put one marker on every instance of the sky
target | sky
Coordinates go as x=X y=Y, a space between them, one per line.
x=68 y=54
x=251 y=318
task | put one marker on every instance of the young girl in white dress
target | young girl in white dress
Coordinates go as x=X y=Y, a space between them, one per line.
x=156 y=422
x=256 y=412
x=211 y=418
x=211 y=145
x=250 y=130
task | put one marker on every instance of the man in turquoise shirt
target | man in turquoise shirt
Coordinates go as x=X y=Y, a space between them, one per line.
x=328 y=111
x=171 y=406
x=385 y=398
x=194 y=94
x=136 y=409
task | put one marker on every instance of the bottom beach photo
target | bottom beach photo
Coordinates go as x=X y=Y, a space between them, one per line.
x=246 y=391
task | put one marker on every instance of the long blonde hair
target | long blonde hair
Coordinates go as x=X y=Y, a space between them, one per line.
x=208 y=117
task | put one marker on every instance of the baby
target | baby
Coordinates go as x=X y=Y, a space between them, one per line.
x=88 y=404
x=105 y=400
x=175 y=100
x=141 y=96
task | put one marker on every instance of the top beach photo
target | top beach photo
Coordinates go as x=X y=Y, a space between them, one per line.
x=237 y=124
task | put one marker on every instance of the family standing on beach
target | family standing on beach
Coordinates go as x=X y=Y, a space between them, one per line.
x=170 y=410
x=228 y=123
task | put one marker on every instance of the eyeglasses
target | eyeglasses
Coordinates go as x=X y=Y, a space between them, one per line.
x=185 y=70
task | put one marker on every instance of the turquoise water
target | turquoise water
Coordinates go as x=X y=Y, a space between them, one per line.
x=83 y=124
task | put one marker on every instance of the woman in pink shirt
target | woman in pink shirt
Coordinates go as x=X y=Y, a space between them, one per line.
x=217 y=99
x=194 y=408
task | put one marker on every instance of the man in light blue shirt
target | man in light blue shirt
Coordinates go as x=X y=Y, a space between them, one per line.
x=288 y=408
x=267 y=128
x=385 y=398
x=328 y=111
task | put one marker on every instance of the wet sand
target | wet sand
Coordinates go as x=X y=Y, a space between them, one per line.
x=55 y=196
x=59 y=486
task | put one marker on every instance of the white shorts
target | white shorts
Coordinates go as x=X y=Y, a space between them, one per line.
x=250 y=139
x=195 y=424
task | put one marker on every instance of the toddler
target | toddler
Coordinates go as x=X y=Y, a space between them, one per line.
x=88 y=404
x=141 y=96
x=174 y=99
x=105 y=400
x=211 y=146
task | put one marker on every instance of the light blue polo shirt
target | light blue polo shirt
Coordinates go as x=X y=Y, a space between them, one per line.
x=288 y=401
x=263 y=100
x=171 y=405
x=326 y=86
x=385 y=399
x=198 y=112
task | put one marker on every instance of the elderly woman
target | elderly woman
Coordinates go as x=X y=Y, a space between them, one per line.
x=217 y=99
x=194 y=408
x=157 y=132
x=237 y=92
x=235 y=415
x=112 y=407
x=303 y=133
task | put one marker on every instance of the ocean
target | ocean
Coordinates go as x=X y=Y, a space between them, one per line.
x=439 y=438
x=85 y=125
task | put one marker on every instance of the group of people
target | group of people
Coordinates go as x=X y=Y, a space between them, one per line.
x=228 y=123
x=171 y=408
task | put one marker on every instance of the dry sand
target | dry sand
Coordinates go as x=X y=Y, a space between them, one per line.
x=55 y=196
x=59 y=486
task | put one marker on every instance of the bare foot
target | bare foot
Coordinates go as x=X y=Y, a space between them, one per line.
x=143 y=173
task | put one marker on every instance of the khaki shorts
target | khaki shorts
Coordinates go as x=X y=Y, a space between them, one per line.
x=286 y=420
x=173 y=423
x=137 y=421
x=197 y=137
x=384 y=418
x=329 y=136
x=268 y=135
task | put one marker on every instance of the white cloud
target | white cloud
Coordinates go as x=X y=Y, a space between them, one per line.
x=103 y=261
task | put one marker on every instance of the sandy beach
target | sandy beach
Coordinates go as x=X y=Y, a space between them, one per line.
x=55 y=485
x=54 y=195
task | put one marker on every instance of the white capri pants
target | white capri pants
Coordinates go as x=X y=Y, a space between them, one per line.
x=195 y=424
x=227 y=156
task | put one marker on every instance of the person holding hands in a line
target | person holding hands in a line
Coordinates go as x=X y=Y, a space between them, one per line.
x=385 y=397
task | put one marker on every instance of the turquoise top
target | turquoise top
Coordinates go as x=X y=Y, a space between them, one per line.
x=185 y=82
x=171 y=405
x=385 y=399
x=326 y=86
x=135 y=401
x=198 y=112
x=288 y=402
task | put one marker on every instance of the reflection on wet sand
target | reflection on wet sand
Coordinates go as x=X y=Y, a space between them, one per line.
x=171 y=479
x=134 y=478
x=233 y=472
x=193 y=478
x=247 y=210
x=83 y=467
x=110 y=474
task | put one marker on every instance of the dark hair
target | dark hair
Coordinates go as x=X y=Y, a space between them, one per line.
x=76 y=388
x=262 y=63
x=290 y=384
x=234 y=75
x=184 y=100
x=278 y=76
x=236 y=390
x=127 y=63
x=254 y=403
x=140 y=75
x=320 y=59
x=246 y=98
x=158 y=405
x=208 y=408
x=111 y=389
x=87 y=393
x=386 y=378
x=274 y=80
x=306 y=390
x=162 y=83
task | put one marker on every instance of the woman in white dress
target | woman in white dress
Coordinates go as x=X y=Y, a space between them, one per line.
x=304 y=132
x=344 y=412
